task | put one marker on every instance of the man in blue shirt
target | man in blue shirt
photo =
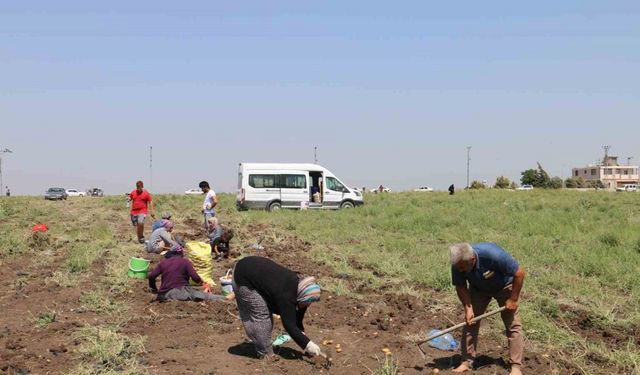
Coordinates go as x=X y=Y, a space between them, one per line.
x=481 y=272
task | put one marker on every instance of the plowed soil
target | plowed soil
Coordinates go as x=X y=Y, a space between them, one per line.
x=208 y=338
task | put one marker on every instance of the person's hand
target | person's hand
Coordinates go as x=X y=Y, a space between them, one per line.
x=153 y=215
x=206 y=288
x=511 y=304
x=469 y=315
x=230 y=297
x=312 y=348
x=153 y=290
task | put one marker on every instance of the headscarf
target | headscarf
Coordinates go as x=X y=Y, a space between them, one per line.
x=167 y=224
x=308 y=290
x=176 y=250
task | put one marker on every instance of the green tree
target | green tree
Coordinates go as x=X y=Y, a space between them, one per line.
x=536 y=177
x=502 y=183
x=555 y=183
x=513 y=185
x=477 y=185
x=528 y=177
x=571 y=183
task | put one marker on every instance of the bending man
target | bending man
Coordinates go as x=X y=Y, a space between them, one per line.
x=263 y=288
x=481 y=272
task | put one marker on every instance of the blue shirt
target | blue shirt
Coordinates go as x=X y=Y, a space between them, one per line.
x=157 y=224
x=493 y=271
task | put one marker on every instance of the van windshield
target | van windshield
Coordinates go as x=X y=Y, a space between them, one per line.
x=334 y=184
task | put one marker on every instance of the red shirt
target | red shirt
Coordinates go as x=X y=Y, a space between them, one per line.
x=139 y=202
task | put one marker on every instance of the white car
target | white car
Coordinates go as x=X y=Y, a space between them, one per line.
x=525 y=187
x=193 y=192
x=76 y=193
x=423 y=188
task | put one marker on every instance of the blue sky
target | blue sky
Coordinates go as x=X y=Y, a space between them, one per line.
x=390 y=93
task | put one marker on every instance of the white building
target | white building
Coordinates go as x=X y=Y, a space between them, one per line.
x=609 y=172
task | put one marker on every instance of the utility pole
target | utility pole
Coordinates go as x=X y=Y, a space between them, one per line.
x=468 y=160
x=151 y=167
x=629 y=160
x=5 y=151
x=315 y=154
x=606 y=154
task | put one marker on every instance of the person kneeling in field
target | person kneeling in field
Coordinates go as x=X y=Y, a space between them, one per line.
x=263 y=288
x=162 y=238
x=481 y=272
x=176 y=272
x=219 y=238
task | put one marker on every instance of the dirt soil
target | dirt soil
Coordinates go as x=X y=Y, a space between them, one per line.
x=208 y=338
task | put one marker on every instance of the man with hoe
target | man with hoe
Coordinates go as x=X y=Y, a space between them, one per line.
x=481 y=272
x=140 y=200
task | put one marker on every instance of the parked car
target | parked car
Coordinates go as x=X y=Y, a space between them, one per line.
x=96 y=192
x=424 y=188
x=75 y=193
x=55 y=193
x=525 y=187
x=193 y=192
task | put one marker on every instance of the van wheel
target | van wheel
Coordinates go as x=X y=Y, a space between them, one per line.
x=275 y=206
x=346 y=204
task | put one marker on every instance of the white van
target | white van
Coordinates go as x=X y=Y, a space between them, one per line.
x=272 y=186
x=630 y=187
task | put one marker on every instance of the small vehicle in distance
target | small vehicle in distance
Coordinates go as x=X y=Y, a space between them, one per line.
x=55 y=193
x=525 y=187
x=424 y=188
x=193 y=192
x=95 y=192
x=75 y=193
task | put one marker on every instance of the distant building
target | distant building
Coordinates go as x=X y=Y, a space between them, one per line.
x=612 y=174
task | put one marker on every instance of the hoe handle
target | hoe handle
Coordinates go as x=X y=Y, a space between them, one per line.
x=460 y=325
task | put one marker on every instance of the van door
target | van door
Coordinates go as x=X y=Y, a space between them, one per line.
x=293 y=189
x=333 y=192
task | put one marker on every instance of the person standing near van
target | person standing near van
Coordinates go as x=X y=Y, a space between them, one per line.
x=210 y=202
x=140 y=201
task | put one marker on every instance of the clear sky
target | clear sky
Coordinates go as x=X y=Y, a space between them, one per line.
x=390 y=92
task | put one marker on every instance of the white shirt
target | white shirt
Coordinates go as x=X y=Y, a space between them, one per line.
x=207 y=206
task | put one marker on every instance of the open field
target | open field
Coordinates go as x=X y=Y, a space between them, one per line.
x=68 y=306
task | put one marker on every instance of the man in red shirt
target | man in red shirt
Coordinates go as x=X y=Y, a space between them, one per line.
x=140 y=199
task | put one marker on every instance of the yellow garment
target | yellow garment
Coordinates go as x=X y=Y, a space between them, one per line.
x=199 y=253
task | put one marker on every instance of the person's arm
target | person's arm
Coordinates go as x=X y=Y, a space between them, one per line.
x=152 y=208
x=192 y=273
x=518 y=281
x=300 y=317
x=465 y=297
x=289 y=317
x=167 y=238
x=214 y=201
x=152 y=278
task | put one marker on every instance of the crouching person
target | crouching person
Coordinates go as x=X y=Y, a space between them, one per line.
x=263 y=288
x=176 y=272
x=162 y=238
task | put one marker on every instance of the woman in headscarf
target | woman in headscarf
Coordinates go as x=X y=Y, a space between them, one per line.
x=176 y=272
x=262 y=288
x=162 y=238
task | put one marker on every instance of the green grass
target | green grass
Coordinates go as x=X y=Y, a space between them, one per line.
x=581 y=251
x=45 y=318
x=103 y=350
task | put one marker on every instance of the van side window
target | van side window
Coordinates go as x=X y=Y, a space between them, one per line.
x=334 y=184
x=293 y=181
x=262 y=180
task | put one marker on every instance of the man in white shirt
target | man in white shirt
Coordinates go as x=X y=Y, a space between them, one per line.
x=210 y=201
